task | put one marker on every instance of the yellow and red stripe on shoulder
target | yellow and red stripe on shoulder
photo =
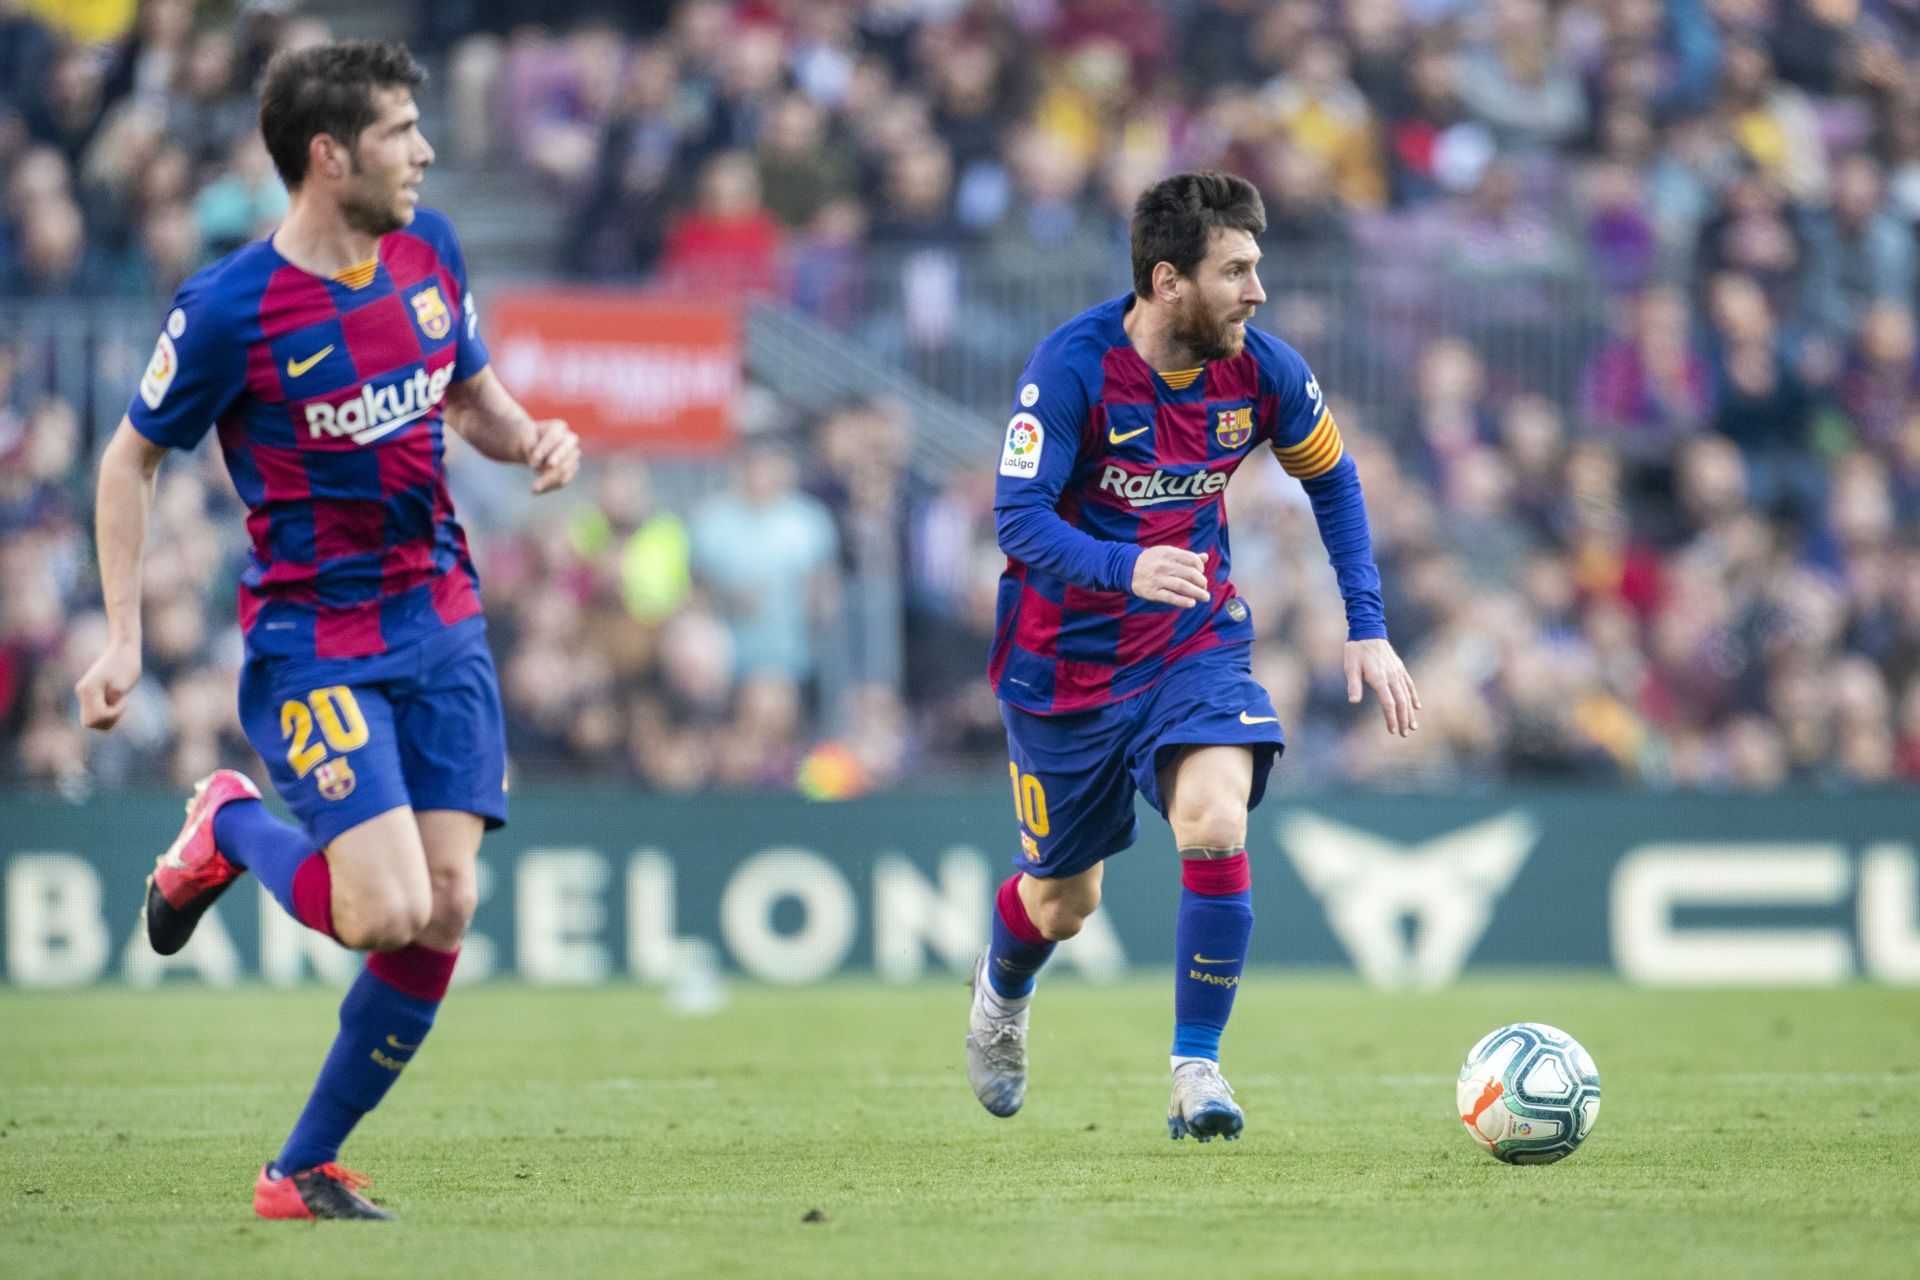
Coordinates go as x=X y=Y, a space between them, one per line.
x=1317 y=454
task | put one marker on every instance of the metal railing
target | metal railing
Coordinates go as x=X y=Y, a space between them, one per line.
x=963 y=323
x=814 y=368
x=947 y=330
x=89 y=354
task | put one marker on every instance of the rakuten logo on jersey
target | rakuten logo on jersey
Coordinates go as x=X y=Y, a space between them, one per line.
x=380 y=410
x=1156 y=487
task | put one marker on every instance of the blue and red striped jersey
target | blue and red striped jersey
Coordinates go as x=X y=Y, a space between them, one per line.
x=1105 y=457
x=328 y=394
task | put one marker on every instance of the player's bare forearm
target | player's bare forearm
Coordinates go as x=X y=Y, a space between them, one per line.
x=128 y=472
x=487 y=417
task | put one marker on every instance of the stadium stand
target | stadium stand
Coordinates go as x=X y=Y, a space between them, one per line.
x=1615 y=300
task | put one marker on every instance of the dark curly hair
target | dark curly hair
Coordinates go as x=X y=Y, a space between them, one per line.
x=1175 y=218
x=328 y=89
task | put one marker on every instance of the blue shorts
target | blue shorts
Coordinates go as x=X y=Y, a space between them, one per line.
x=347 y=739
x=1074 y=776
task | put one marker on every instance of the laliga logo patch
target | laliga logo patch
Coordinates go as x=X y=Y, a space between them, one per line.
x=430 y=311
x=160 y=370
x=1233 y=427
x=335 y=778
x=1021 y=458
x=1237 y=609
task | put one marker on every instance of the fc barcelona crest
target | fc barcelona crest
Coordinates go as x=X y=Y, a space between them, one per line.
x=430 y=311
x=1233 y=427
x=335 y=778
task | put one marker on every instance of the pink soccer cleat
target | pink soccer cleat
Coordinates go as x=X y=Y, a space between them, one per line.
x=192 y=874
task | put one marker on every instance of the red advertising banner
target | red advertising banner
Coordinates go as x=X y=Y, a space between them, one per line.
x=626 y=371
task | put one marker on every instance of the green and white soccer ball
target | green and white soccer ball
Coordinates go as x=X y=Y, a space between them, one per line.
x=1529 y=1093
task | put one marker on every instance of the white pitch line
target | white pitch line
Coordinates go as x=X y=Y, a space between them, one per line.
x=949 y=1080
x=1320 y=1083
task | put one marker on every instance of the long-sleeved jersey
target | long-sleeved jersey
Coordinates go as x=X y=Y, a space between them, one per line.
x=1105 y=457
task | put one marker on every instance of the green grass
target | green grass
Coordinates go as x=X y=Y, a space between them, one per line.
x=593 y=1133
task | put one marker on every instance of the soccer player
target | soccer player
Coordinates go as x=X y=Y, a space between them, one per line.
x=329 y=355
x=1121 y=649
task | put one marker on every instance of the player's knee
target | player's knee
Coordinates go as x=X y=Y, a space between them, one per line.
x=382 y=935
x=384 y=926
x=376 y=934
x=1061 y=918
x=1211 y=822
x=1057 y=922
x=455 y=898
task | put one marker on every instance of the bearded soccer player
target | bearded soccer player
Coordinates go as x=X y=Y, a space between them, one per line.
x=329 y=356
x=1121 y=651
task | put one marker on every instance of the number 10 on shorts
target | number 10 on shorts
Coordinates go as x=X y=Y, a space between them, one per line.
x=1029 y=800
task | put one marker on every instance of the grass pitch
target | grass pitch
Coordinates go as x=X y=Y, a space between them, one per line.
x=593 y=1133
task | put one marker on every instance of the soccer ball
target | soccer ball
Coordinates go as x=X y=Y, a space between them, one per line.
x=1529 y=1093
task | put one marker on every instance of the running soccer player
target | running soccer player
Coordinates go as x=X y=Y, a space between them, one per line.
x=1121 y=650
x=329 y=356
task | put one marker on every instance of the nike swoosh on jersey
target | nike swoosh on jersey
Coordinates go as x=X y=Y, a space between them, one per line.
x=1200 y=959
x=1247 y=719
x=297 y=367
x=1116 y=437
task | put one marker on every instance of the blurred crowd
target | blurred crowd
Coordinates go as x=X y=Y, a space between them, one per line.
x=128 y=163
x=1691 y=561
x=780 y=146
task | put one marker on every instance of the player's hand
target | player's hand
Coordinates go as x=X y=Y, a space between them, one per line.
x=1374 y=663
x=1171 y=575
x=554 y=454
x=104 y=688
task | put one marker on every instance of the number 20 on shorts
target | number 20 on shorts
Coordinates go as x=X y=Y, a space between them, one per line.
x=342 y=726
x=1029 y=800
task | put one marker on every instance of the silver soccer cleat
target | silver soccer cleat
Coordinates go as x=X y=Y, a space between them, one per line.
x=996 y=1049
x=1203 y=1104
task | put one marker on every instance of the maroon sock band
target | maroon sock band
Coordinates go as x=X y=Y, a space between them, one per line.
x=414 y=970
x=313 y=895
x=1013 y=913
x=1217 y=877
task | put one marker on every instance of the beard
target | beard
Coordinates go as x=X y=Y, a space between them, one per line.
x=1206 y=337
x=371 y=211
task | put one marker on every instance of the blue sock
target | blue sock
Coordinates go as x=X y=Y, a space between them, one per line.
x=1215 y=926
x=1018 y=949
x=380 y=1027
x=247 y=835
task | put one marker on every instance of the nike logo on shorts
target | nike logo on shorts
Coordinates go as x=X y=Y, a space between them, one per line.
x=1247 y=719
